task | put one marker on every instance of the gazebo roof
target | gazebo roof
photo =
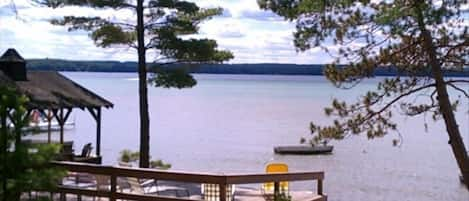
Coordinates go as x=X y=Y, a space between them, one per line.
x=11 y=55
x=52 y=90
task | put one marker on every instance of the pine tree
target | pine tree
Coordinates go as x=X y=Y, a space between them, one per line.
x=160 y=26
x=23 y=167
x=421 y=39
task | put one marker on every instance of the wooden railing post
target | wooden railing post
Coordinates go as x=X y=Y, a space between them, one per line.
x=222 y=192
x=276 y=190
x=319 y=186
x=62 y=196
x=113 y=187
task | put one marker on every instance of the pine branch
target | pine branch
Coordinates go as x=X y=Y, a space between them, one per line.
x=457 y=81
x=390 y=103
x=459 y=89
x=155 y=25
x=114 y=4
x=461 y=45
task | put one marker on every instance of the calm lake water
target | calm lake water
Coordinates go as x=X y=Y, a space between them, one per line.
x=230 y=124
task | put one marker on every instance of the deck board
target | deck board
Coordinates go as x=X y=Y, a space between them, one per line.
x=256 y=195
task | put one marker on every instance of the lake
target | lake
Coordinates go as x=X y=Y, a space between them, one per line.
x=230 y=124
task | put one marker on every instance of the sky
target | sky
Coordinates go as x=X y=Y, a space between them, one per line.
x=253 y=35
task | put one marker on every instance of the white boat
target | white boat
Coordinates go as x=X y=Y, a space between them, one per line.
x=39 y=123
x=44 y=126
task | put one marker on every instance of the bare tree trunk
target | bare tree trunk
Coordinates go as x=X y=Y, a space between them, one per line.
x=455 y=140
x=144 y=161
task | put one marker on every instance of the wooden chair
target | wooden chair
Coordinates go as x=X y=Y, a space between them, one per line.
x=66 y=152
x=85 y=156
x=103 y=183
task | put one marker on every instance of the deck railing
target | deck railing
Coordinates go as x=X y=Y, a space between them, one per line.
x=221 y=179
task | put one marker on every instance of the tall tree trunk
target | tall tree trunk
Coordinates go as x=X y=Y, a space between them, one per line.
x=455 y=140
x=144 y=161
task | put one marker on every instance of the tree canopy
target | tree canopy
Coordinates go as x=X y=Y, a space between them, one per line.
x=420 y=38
x=165 y=27
x=23 y=167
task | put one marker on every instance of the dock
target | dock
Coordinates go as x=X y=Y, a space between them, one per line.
x=303 y=150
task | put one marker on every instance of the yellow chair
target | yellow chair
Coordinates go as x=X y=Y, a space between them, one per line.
x=268 y=188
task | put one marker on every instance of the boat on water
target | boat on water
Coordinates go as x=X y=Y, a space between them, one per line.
x=44 y=126
x=304 y=149
x=39 y=123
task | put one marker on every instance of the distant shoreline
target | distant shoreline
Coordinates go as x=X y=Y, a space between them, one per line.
x=243 y=69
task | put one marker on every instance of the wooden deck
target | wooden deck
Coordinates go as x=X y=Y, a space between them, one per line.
x=113 y=191
x=240 y=195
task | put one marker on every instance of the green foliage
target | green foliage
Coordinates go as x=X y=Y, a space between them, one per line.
x=178 y=78
x=217 y=68
x=372 y=35
x=159 y=164
x=23 y=167
x=129 y=156
x=89 y=3
x=159 y=26
x=165 y=23
x=109 y=34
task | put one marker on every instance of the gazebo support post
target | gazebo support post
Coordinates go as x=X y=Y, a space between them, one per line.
x=98 y=133
x=55 y=114
x=97 y=117
x=12 y=121
x=24 y=118
x=61 y=119
x=61 y=124
x=15 y=124
x=49 y=118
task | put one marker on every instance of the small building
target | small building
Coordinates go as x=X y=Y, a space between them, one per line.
x=50 y=92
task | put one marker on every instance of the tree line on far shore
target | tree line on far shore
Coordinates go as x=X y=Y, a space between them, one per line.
x=261 y=68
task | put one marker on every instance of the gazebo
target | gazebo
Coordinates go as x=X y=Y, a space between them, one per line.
x=50 y=92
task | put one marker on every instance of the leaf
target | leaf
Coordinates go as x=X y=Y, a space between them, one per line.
x=177 y=78
x=88 y=3
x=24 y=167
x=108 y=35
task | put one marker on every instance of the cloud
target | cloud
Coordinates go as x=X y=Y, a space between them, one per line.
x=226 y=13
x=7 y=10
x=253 y=35
x=223 y=28
x=231 y=34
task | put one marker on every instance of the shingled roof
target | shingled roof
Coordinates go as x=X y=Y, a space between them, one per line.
x=49 y=89
x=11 y=55
x=52 y=90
